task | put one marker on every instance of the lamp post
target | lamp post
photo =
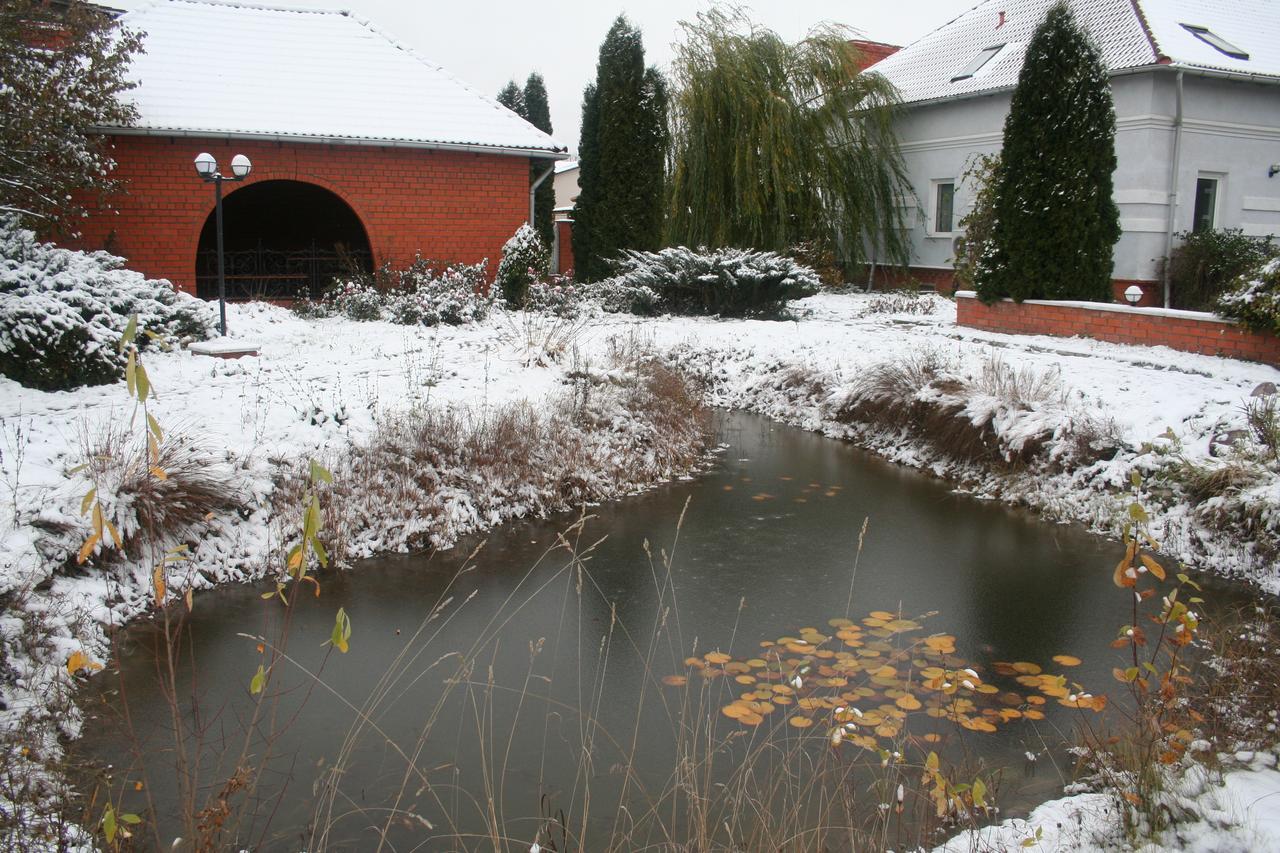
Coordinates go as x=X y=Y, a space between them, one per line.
x=207 y=169
x=1133 y=294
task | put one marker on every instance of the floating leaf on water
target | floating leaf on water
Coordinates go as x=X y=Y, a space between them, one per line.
x=762 y=496
x=839 y=622
x=909 y=703
x=882 y=615
x=693 y=662
x=757 y=663
x=675 y=680
x=798 y=722
x=718 y=657
x=1027 y=668
x=745 y=679
x=932 y=737
x=1066 y=660
x=751 y=719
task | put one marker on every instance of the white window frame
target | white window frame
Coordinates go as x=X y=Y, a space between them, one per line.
x=931 y=215
x=1219 y=191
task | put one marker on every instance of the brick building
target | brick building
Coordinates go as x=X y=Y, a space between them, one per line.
x=362 y=152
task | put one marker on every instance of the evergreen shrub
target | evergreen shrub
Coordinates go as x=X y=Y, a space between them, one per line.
x=62 y=313
x=1206 y=263
x=728 y=282
x=1254 y=299
x=525 y=259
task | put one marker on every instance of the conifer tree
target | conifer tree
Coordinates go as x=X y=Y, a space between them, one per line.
x=512 y=97
x=538 y=113
x=621 y=155
x=1055 y=221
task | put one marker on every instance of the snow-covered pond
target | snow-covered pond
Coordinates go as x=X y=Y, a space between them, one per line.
x=566 y=651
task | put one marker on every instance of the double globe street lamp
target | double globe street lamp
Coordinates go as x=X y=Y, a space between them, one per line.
x=207 y=169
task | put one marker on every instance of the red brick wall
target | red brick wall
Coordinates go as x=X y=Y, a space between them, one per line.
x=448 y=205
x=944 y=281
x=564 y=232
x=1188 y=331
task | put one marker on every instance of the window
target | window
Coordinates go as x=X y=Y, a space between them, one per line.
x=1206 y=205
x=944 y=203
x=979 y=61
x=1216 y=41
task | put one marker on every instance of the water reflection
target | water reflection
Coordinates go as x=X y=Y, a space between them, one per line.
x=768 y=544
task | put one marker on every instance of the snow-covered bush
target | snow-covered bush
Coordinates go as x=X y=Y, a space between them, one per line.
x=356 y=299
x=729 y=282
x=558 y=295
x=422 y=294
x=618 y=296
x=62 y=313
x=525 y=259
x=1254 y=300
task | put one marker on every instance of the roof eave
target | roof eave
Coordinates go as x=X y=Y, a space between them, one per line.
x=1195 y=70
x=475 y=148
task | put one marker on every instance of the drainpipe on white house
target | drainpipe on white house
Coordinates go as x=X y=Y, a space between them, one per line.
x=1173 y=186
x=533 y=189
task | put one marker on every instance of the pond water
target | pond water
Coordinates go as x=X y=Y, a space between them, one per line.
x=565 y=651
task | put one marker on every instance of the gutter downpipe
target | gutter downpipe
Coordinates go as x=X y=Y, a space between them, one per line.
x=533 y=189
x=1173 y=185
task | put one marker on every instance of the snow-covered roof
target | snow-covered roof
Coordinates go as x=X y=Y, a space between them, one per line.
x=566 y=166
x=225 y=69
x=1131 y=34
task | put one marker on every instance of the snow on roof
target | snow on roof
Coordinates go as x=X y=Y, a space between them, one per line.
x=219 y=68
x=566 y=166
x=1130 y=33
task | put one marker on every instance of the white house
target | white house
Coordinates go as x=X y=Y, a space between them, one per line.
x=566 y=188
x=1196 y=85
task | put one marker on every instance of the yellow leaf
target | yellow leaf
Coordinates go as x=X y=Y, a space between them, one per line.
x=88 y=501
x=115 y=534
x=1066 y=660
x=80 y=661
x=188 y=600
x=87 y=548
x=157 y=580
x=1153 y=566
x=159 y=473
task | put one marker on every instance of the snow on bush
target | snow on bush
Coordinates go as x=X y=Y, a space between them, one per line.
x=422 y=293
x=525 y=259
x=729 y=282
x=558 y=296
x=62 y=313
x=1254 y=299
x=618 y=296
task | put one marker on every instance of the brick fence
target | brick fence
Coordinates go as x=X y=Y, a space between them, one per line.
x=1189 y=331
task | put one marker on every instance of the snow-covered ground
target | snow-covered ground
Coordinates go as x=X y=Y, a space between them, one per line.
x=321 y=385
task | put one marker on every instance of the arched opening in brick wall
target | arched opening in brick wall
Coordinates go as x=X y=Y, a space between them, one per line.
x=282 y=240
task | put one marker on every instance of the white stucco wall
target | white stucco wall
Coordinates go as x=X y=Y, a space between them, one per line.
x=1231 y=129
x=566 y=187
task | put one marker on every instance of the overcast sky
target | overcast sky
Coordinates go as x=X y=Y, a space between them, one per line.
x=487 y=42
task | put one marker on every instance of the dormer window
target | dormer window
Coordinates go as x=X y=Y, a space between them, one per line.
x=1216 y=41
x=979 y=62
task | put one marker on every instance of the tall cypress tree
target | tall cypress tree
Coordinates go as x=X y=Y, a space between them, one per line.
x=621 y=156
x=512 y=97
x=1056 y=223
x=538 y=113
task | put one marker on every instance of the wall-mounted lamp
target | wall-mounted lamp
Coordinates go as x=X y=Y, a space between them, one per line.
x=1275 y=168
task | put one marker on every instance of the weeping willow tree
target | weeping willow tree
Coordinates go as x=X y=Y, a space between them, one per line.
x=777 y=144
